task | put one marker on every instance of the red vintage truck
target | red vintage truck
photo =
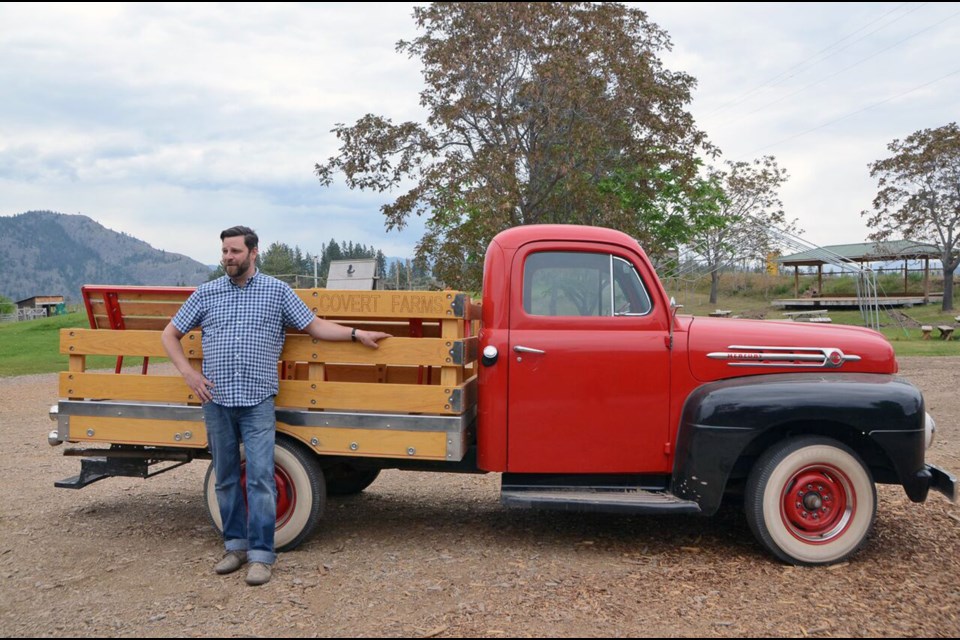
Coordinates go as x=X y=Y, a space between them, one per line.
x=576 y=379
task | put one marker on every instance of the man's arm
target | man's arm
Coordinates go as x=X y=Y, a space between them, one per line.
x=170 y=338
x=326 y=330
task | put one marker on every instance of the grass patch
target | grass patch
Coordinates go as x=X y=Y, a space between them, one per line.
x=33 y=346
x=750 y=296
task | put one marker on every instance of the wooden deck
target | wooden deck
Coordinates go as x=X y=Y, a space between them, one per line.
x=851 y=302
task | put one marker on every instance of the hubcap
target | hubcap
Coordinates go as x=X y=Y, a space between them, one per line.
x=817 y=503
x=286 y=492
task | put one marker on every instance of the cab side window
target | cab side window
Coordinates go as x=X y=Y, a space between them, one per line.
x=567 y=283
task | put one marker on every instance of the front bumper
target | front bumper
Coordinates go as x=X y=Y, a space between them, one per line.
x=942 y=481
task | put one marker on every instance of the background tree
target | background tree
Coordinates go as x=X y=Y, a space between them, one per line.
x=530 y=106
x=919 y=197
x=748 y=215
x=297 y=268
x=281 y=260
x=672 y=214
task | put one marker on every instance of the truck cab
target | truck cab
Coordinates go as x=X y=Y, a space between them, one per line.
x=598 y=396
x=583 y=335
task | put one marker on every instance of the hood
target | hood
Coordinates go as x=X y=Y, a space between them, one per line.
x=727 y=348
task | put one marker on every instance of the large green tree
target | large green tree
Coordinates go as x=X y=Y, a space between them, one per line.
x=673 y=215
x=919 y=197
x=529 y=106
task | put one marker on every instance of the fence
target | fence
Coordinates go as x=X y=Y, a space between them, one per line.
x=24 y=314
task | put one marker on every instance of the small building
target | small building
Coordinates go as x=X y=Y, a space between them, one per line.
x=890 y=251
x=51 y=305
x=353 y=274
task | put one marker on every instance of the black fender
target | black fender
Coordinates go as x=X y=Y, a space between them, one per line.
x=879 y=416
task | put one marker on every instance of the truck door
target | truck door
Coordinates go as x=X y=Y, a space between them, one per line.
x=589 y=367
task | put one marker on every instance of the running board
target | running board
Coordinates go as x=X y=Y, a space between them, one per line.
x=596 y=499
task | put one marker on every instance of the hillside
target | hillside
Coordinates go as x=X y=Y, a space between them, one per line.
x=47 y=253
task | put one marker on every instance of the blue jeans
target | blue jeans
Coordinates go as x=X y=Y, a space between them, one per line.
x=247 y=525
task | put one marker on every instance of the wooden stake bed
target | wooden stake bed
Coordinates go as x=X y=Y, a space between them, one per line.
x=414 y=397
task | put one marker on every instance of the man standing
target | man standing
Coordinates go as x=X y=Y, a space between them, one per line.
x=243 y=316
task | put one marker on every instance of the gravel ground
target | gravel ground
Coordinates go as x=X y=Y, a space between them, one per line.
x=435 y=555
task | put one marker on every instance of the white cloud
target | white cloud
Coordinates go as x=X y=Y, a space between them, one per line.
x=173 y=121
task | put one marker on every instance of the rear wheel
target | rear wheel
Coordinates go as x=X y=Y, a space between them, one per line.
x=811 y=501
x=301 y=494
x=346 y=480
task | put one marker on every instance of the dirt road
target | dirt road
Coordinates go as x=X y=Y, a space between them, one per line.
x=435 y=555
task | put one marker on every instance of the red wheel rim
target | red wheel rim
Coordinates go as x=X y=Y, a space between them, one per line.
x=286 y=492
x=818 y=503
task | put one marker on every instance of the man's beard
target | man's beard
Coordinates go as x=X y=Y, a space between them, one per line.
x=236 y=269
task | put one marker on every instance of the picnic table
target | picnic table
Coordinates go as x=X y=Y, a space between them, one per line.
x=812 y=315
x=805 y=314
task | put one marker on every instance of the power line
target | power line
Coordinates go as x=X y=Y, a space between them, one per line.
x=784 y=75
x=853 y=113
x=843 y=70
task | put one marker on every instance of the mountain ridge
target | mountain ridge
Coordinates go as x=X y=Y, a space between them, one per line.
x=50 y=253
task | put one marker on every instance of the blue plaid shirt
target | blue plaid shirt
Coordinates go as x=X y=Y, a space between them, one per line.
x=243 y=334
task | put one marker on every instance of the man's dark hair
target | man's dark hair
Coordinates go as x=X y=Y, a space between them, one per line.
x=249 y=235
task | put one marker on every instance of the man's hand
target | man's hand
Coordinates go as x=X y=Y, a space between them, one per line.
x=371 y=338
x=199 y=385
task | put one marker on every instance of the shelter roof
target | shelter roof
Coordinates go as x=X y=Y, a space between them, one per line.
x=863 y=252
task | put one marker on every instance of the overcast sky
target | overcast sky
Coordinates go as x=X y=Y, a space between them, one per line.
x=171 y=122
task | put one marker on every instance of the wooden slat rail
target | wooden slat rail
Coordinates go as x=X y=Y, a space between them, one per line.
x=300 y=394
x=161 y=303
x=386 y=305
x=125 y=307
x=400 y=351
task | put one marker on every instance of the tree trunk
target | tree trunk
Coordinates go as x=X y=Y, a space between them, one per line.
x=948 y=289
x=715 y=286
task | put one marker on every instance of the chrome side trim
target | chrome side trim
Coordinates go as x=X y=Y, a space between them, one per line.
x=380 y=421
x=292 y=417
x=130 y=410
x=794 y=357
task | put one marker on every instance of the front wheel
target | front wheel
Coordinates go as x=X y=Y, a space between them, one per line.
x=810 y=501
x=301 y=494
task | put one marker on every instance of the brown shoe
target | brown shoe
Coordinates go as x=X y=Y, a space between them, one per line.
x=258 y=573
x=232 y=561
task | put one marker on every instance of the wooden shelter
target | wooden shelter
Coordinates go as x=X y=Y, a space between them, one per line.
x=862 y=253
x=46 y=304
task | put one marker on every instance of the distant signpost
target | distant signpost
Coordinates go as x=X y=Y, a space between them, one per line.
x=353 y=274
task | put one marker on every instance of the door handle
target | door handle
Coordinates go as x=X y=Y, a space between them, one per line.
x=521 y=349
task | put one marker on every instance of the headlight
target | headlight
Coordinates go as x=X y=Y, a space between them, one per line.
x=929 y=429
